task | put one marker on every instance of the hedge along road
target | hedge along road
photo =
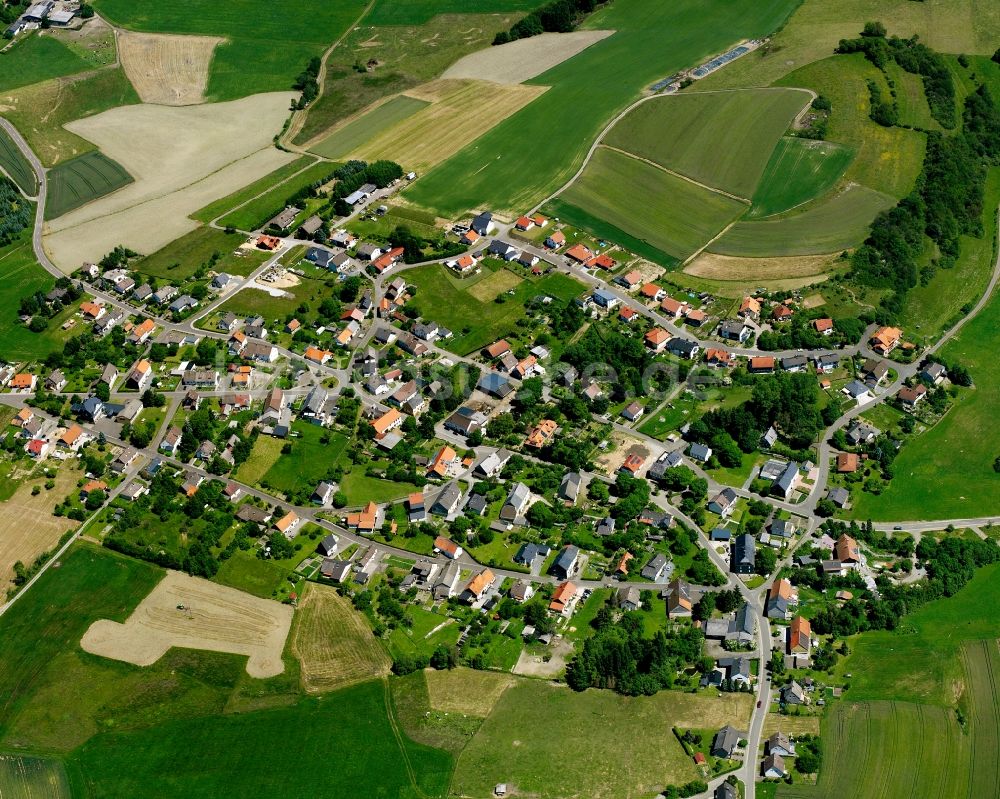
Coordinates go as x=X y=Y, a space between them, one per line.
x=541 y=147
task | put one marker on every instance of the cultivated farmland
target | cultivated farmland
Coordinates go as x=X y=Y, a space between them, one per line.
x=829 y=225
x=889 y=750
x=466 y=109
x=32 y=778
x=181 y=158
x=260 y=209
x=81 y=180
x=359 y=130
x=721 y=139
x=799 y=170
x=982 y=669
x=262 y=52
x=543 y=738
x=534 y=152
x=13 y=162
x=168 y=70
x=334 y=643
x=668 y=212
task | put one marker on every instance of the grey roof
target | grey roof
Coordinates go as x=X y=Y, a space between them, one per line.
x=732 y=328
x=793 y=362
x=787 y=478
x=495 y=383
x=654 y=569
x=856 y=388
x=529 y=551
x=839 y=496
x=448 y=498
x=516 y=501
x=567 y=559
x=606 y=526
x=329 y=544
x=721 y=534
x=315 y=400
x=726 y=740
x=683 y=347
x=777 y=607
x=569 y=486
x=744 y=550
x=700 y=451
x=769 y=437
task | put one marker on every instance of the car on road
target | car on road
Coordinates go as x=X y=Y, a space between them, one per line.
x=758 y=703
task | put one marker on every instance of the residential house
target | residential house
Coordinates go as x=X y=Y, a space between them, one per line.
x=823 y=326
x=773 y=767
x=909 y=397
x=656 y=569
x=717 y=357
x=632 y=412
x=495 y=384
x=628 y=597
x=483 y=223
x=465 y=421
x=563 y=598
x=726 y=742
x=448 y=500
x=795 y=363
x=933 y=373
x=839 y=496
x=761 y=365
x=387 y=422
x=541 y=434
x=447 y=547
x=569 y=487
x=846 y=550
x=604 y=298
x=416 y=508
x=780 y=744
x=724 y=502
x=651 y=291
x=678 y=599
x=478 y=587
x=886 y=339
x=444 y=586
x=444 y=462
x=517 y=503
x=787 y=481
x=141 y=332
x=323 y=495
x=792 y=694
x=700 y=452
x=532 y=555
x=780 y=597
x=744 y=550
x=735 y=330
x=567 y=564
x=367 y=520
x=749 y=308
x=858 y=391
x=171 y=441
x=674 y=309
x=799 y=636
x=492 y=464
x=656 y=339
x=555 y=240
x=683 y=348
x=522 y=591
x=287 y=524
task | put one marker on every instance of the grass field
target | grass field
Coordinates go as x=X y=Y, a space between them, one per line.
x=262 y=54
x=32 y=778
x=36 y=58
x=886 y=159
x=258 y=211
x=250 y=301
x=829 y=225
x=545 y=739
x=244 y=570
x=358 y=131
x=309 y=462
x=911 y=99
x=223 y=204
x=200 y=756
x=799 y=170
x=78 y=181
x=982 y=665
x=265 y=453
x=13 y=162
x=670 y=213
x=723 y=140
x=888 y=750
x=180 y=259
x=334 y=642
x=475 y=323
x=360 y=488
x=535 y=151
x=417 y=12
x=39 y=111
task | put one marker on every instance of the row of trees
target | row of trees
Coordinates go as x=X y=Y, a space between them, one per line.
x=559 y=16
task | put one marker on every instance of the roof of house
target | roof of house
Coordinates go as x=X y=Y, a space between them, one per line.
x=481 y=582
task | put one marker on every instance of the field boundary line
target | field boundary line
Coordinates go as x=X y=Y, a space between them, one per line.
x=390 y=712
x=680 y=175
x=709 y=243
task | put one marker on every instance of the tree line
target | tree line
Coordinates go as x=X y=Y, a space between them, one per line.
x=560 y=16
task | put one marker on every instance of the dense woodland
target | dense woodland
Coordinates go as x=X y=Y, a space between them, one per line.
x=15 y=212
x=559 y=16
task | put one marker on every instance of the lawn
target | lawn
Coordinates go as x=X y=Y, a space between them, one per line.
x=831 y=224
x=722 y=140
x=36 y=58
x=348 y=138
x=78 y=181
x=799 y=170
x=451 y=302
x=552 y=742
x=13 y=162
x=39 y=111
x=309 y=461
x=263 y=52
x=361 y=488
x=201 y=759
x=668 y=212
x=258 y=211
x=217 y=208
x=244 y=570
x=251 y=301
x=535 y=151
x=180 y=259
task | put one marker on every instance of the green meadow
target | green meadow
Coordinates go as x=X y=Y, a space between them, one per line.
x=799 y=170
x=538 y=149
x=264 y=52
x=722 y=140
x=36 y=58
x=258 y=211
x=668 y=212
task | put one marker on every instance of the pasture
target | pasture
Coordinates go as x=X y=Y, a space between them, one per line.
x=259 y=210
x=450 y=302
x=41 y=110
x=798 y=171
x=251 y=300
x=35 y=58
x=333 y=642
x=668 y=212
x=888 y=750
x=542 y=739
x=262 y=53
x=348 y=137
x=13 y=162
x=217 y=208
x=202 y=760
x=830 y=225
x=181 y=258
x=181 y=158
x=466 y=691
x=32 y=778
x=81 y=180
x=534 y=152
x=466 y=109
x=723 y=140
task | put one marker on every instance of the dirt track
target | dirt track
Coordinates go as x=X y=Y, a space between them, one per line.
x=167 y=70
x=194 y=613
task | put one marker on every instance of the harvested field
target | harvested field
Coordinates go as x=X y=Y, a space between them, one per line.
x=521 y=60
x=334 y=643
x=181 y=159
x=355 y=132
x=466 y=691
x=726 y=267
x=167 y=70
x=28 y=526
x=193 y=613
x=465 y=109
